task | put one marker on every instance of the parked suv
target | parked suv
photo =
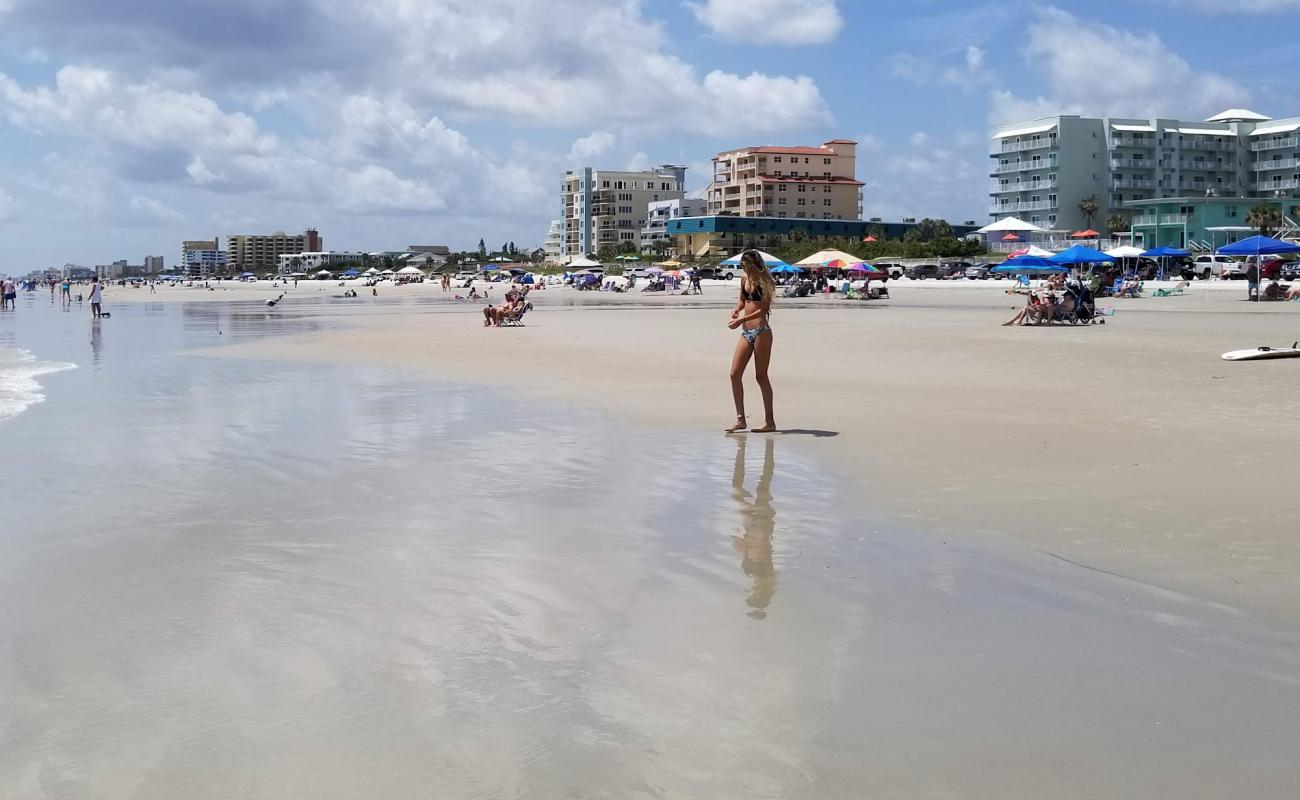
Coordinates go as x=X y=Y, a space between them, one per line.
x=920 y=272
x=1207 y=266
x=895 y=271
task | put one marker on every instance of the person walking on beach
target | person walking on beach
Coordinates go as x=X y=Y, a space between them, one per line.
x=66 y=288
x=8 y=294
x=757 y=288
x=96 y=298
x=1252 y=282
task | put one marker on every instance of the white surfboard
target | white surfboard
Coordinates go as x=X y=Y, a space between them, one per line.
x=1261 y=353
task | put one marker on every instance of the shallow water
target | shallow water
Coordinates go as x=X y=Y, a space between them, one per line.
x=223 y=578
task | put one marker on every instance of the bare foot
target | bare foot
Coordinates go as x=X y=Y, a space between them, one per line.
x=768 y=428
x=739 y=426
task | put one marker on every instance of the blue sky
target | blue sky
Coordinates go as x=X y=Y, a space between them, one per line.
x=130 y=125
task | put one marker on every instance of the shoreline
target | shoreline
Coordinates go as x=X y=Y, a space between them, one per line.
x=1082 y=474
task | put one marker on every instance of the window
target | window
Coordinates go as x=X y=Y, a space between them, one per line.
x=781 y=214
x=826 y=215
x=780 y=201
x=826 y=202
x=604 y=184
x=777 y=160
x=1231 y=212
x=805 y=160
x=801 y=215
x=826 y=161
x=803 y=188
x=781 y=188
x=826 y=189
x=803 y=201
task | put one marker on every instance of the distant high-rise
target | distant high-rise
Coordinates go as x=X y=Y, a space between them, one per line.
x=603 y=208
x=201 y=258
x=788 y=182
x=253 y=252
x=153 y=265
x=1045 y=169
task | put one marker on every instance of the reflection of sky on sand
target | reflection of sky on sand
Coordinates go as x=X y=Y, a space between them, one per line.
x=231 y=578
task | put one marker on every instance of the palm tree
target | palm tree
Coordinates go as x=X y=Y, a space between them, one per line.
x=1089 y=207
x=1117 y=223
x=1265 y=218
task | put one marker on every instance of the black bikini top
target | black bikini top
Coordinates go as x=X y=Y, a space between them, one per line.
x=756 y=296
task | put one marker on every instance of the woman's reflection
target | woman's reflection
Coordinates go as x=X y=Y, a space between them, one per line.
x=758 y=520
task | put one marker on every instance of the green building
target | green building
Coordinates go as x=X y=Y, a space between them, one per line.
x=1199 y=223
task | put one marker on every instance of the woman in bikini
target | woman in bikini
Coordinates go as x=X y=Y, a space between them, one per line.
x=751 y=316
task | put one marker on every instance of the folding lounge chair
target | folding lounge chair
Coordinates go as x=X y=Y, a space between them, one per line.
x=516 y=320
x=1170 y=292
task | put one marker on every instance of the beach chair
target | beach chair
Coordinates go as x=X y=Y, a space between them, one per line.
x=1115 y=289
x=1178 y=289
x=516 y=320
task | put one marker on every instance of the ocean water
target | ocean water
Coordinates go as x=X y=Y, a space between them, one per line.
x=20 y=380
x=226 y=578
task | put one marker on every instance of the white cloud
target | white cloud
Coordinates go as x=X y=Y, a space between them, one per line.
x=372 y=188
x=777 y=22
x=964 y=69
x=593 y=146
x=1237 y=6
x=147 y=208
x=8 y=207
x=1102 y=70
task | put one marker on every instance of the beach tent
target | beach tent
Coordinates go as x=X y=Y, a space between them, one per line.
x=1081 y=254
x=1031 y=250
x=1259 y=246
x=1009 y=224
x=822 y=256
x=1125 y=251
x=323 y=273
x=351 y=273
x=768 y=259
x=1165 y=251
x=582 y=262
x=409 y=271
x=1029 y=265
x=371 y=272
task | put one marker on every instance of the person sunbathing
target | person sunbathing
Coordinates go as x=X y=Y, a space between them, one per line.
x=1029 y=314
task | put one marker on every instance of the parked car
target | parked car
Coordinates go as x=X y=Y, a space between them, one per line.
x=892 y=269
x=464 y=277
x=1291 y=270
x=720 y=273
x=920 y=272
x=977 y=272
x=953 y=270
x=1206 y=266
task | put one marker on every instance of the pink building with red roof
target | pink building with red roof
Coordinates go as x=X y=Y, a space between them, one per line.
x=788 y=182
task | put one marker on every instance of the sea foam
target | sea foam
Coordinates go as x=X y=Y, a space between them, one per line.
x=20 y=388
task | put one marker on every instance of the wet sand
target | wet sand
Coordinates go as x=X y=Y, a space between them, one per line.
x=1129 y=448
x=361 y=550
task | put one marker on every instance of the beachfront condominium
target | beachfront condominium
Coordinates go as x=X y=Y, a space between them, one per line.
x=554 y=241
x=604 y=209
x=1052 y=171
x=154 y=265
x=660 y=213
x=788 y=182
x=202 y=258
x=250 y=253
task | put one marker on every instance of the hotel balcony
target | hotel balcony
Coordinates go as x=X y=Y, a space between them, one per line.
x=996 y=187
x=1209 y=166
x=1207 y=144
x=1276 y=144
x=1132 y=163
x=1133 y=183
x=1281 y=163
x=1018 y=147
x=1271 y=186
x=1130 y=141
x=1015 y=208
x=1022 y=166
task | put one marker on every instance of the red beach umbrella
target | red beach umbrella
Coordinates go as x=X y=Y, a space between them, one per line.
x=1011 y=237
x=1088 y=234
x=870 y=239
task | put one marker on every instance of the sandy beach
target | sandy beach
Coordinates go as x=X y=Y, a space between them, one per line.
x=343 y=547
x=1130 y=447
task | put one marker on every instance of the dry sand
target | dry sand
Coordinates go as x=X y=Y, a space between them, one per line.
x=1129 y=448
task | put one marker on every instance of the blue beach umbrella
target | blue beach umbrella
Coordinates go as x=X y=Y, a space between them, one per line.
x=784 y=268
x=351 y=273
x=1259 y=246
x=1030 y=265
x=1165 y=251
x=1081 y=254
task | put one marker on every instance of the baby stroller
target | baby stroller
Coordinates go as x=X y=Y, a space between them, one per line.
x=1085 y=307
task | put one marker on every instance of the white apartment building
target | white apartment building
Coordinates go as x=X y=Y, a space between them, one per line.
x=289 y=263
x=603 y=208
x=553 y=245
x=202 y=258
x=1043 y=169
x=153 y=265
x=658 y=214
x=788 y=182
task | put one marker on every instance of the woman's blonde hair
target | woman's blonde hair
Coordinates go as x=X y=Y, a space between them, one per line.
x=757 y=272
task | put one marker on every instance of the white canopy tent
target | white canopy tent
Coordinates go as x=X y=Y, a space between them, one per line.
x=1125 y=251
x=1009 y=224
x=582 y=262
x=410 y=271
